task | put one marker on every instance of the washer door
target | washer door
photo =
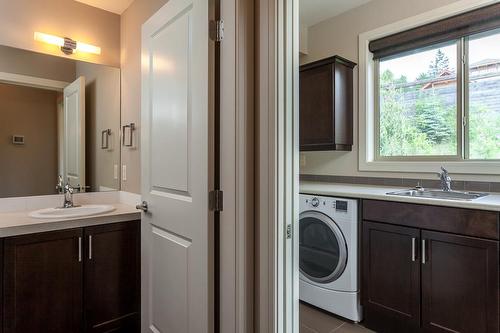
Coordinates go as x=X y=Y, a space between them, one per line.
x=322 y=247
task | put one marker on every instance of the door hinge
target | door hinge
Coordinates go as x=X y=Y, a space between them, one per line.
x=216 y=200
x=289 y=231
x=217 y=30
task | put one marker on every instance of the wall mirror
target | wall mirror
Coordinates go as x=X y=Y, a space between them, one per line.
x=59 y=118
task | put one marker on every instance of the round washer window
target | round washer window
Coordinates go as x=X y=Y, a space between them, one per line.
x=322 y=247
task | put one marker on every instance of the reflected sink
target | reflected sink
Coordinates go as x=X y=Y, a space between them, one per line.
x=77 y=211
x=438 y=194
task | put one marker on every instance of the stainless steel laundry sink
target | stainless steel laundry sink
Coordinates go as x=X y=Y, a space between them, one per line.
x=439 y=194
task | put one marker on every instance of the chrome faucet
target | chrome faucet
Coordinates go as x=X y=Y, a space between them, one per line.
x=68 y=195
x=445 y=180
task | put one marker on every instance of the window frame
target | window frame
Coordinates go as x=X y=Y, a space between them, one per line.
x=461 y=120
x=366 y=133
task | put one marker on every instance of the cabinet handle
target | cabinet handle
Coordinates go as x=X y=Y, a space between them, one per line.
x=413 y=249
x=90 y=247
x=79 y=249
x=423 y=251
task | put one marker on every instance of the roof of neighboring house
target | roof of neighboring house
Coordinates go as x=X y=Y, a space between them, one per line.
x=448 y=76
x=485 y=62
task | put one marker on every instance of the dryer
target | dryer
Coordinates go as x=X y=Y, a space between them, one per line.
x=328 y=254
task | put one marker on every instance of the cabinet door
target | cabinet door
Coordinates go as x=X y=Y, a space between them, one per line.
x=459 y=284
x=112 y=278
x=43 y=282
x=316 y=108
x=391 y=278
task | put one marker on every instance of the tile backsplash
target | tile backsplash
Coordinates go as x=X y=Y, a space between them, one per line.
x=404 y=182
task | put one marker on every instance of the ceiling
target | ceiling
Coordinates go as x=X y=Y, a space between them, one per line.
x=114 y=6
x=315 y=11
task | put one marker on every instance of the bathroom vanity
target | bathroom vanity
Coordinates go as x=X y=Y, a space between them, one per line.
x=71 y=275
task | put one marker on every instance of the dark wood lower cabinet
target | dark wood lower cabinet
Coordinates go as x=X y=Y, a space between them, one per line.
x=112 y=278
x=71 y=281
x=391 y=278
x=459 y=284
x=42 y=283
x=420 y=280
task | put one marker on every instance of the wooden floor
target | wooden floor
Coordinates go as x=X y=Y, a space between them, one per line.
x=313 y=320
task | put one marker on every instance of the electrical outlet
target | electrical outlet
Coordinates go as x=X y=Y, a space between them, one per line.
x=124 y=172
x=115 y=171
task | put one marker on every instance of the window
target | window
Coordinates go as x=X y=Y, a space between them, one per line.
x=436 y=90
x=417 y=103
x=440 y=101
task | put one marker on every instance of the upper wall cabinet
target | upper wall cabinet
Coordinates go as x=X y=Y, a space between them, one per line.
x=326 y=105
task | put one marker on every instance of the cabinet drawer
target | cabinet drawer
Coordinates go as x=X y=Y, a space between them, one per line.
x=468 y=222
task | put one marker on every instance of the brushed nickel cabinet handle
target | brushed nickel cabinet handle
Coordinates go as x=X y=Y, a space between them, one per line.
x=79 y=249
x=413 y=249
x=90 y=247
x=423 y=252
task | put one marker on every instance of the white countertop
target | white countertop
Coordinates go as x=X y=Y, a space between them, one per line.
x=15 y=219
x=490 y=202
x=18 y=223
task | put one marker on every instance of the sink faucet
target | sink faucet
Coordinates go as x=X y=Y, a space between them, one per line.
x=445 y=180
x=68 y=195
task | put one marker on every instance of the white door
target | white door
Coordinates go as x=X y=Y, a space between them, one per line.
x=176 y=170
x=74 y=133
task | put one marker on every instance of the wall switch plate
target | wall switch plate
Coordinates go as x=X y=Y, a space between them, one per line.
x=18 y=139
x=115 y=171
x=124 y=172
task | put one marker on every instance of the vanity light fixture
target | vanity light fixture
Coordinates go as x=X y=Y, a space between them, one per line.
x=68 y=45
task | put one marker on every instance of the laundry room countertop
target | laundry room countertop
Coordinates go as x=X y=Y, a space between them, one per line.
x=490 y=202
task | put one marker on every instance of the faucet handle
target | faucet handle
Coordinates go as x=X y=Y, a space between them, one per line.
x=59 y=185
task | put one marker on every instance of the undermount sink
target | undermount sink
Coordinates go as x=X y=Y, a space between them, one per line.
x=77 y=211
x=438 y=194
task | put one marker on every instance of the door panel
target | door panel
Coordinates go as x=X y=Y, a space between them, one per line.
x=74 y=133
x=176 y=170
x=391 y=278
x=170 y=67
x=112 y=280
x=460 y=280
x=43 y=283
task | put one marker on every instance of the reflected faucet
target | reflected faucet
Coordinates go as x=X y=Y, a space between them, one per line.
x=445 y=180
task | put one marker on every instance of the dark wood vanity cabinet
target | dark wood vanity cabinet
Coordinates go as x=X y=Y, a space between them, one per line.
x=42 y=287
x=420 y=280
x=326 y=105
x=112 y=276
x=77 y=280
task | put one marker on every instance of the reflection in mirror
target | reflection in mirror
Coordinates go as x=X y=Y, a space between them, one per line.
x=59 y=119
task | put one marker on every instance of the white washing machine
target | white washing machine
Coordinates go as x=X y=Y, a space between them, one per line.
x=328 y=254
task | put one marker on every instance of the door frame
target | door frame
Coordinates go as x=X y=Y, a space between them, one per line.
x=236 y=221
x=277 y=166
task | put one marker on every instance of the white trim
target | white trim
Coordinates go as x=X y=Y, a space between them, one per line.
x=366 y=110
x=32 y=81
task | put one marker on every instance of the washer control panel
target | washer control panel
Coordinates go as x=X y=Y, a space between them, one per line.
x=342 y=208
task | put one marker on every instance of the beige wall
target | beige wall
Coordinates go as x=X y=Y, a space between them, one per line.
x=102 y=111
x=131 y=23
x=19 y=19
x=24 y=62
x=29 y=169
x=339 y=35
